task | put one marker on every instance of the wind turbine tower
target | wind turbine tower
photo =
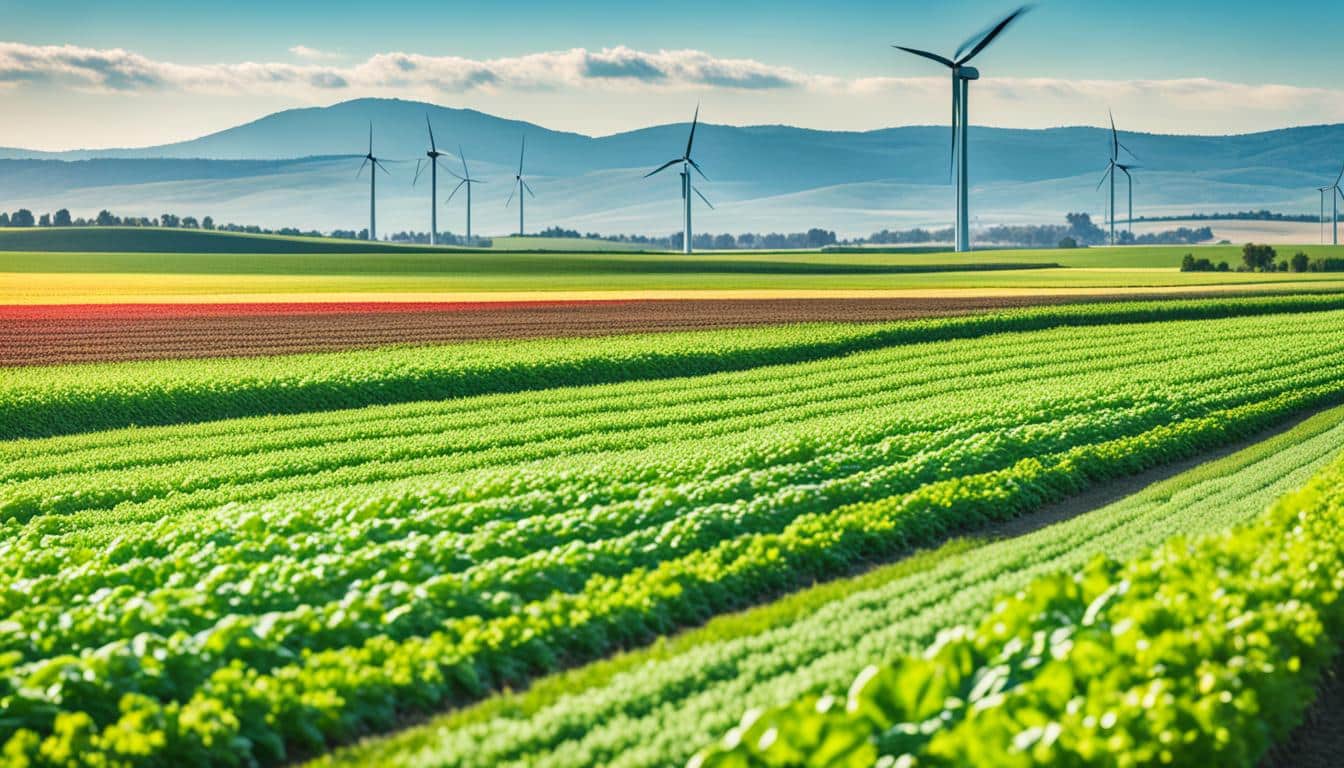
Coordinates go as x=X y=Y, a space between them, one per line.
x=1112 y=165
x=1335 y=194
x=376 y=165
x=687 y=187
x=962 y=75
x=519 y=187
x=465 y=180
x=433 y=154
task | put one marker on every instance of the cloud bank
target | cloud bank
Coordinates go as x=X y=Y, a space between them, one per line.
x=599 y=91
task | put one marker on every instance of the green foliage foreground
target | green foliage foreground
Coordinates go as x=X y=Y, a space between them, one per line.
x=1200 y=653
x=492 y=540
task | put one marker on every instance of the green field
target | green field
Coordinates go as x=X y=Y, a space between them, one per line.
x=95 y=277
x=85 y=265
x=222 y=589
x=694 y=686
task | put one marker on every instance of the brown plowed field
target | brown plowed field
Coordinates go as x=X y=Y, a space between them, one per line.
x=33 y=335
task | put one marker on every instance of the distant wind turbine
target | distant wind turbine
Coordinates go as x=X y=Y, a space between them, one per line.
x=519 y=187
x=1129 y=184
x=370 y=160
x=434 y=154
x=962 y=75
x=1323 y=190
x=1112 y=165
x=1335 y=194
x=465 y=180
x=687 y=163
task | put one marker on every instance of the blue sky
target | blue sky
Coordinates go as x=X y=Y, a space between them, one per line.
x=1195 y=66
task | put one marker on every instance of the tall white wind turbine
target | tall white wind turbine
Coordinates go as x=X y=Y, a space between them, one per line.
x=1112 y=165
x=433 y=154
x=519 y=187
x=375 y=165
x=962 y=75
x=687 y=163
x=465 y=180
x=1335 y=194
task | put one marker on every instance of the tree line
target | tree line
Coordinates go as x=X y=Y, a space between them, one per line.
x=1078 y=231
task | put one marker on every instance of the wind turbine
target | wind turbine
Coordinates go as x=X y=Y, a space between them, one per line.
x=434 y=154
x=962 y=75
x=687 y=163
x=464 y=180
x=370 y=160
x=1323 y=190
x=1111 y=166
x=1335 y=194
x=520 y=186
x=1129 y=183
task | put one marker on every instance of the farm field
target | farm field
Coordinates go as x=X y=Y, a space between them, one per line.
x=694 y=686
x=28 y=277
x=38 y=335
x=312 y=548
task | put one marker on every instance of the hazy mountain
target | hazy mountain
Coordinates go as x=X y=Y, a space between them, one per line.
x=297 y=168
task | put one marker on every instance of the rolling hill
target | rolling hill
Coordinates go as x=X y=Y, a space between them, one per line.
x=297 y=168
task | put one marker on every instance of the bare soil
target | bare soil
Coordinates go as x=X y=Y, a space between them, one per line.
x=97 y=333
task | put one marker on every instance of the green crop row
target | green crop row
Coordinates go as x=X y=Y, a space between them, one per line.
x=54 y=400
x=264 y=705
x=1200 y=653
x=658 y=705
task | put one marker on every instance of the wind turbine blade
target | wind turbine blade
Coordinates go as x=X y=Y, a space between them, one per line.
x=453 y=173
x=663 y=167
x=989 y=38
x=509 y=202
x=696 y=166
x=529 y=189
x=1109 y=169
x=926 y=54
x=691 y=139
x=432 y=147
x=1127 y=149
x=702 y=197
x=379 y=165
x=361 y=168
x=417 y=172
x=463 y=157
x=520 y=156
x=460 y=184
x=370 y=137
x=1340 y=176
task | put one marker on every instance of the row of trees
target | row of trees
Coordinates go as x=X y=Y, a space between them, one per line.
x=1260 y=215
x=1263 y=258
x=812 y=238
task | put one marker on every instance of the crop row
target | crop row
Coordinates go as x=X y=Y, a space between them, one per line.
x=1200 y=653
x=42 y=401
x=276 y=700
x=310 y=553
x=654 y=711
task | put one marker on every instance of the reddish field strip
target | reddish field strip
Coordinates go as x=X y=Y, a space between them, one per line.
x=94 y=333
x=138 y=311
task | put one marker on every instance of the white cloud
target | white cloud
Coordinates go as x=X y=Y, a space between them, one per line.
x=620 y=87
x=313 y=54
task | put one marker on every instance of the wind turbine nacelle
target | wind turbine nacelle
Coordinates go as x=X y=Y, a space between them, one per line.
x=968 y=73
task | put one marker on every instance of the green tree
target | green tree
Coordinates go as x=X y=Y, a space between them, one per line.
x=1259 y=258
x=1300 y=262
x=22 y=218
x=62 y=218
